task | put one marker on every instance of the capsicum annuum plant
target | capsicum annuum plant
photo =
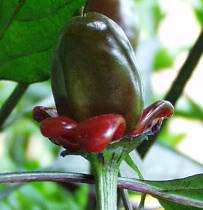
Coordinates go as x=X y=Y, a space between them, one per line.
x=99 y=103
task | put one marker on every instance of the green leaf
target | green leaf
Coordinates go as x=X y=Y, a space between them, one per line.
x=173 y=206
x=131 y=163
x=162 y=59
x=187 y=191
x=27 y=44
x=6 y=10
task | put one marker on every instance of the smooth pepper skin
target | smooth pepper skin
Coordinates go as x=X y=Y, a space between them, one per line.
x=122 y=12
x=94 y=71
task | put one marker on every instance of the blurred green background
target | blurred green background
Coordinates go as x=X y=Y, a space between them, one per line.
x=167 y=31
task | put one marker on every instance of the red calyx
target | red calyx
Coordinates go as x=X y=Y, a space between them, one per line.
x=40 y=113
x=96 y=133
x=92 y=135
x=152 y=117
x=57 y=126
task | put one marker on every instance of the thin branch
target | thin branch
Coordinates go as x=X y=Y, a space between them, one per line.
x=148 y=208
x=11 y=102
x=124 y=183
x=39 y=176
x=178 y=86
x=131 y=163
x=125 y=197
x=186 y=71
x=11 y=18
x=142 y=202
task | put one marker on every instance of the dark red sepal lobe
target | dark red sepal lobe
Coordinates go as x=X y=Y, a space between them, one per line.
x=96 y=133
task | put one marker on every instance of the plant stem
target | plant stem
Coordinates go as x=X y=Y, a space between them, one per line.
x=130 y=162
x=141 y=205
x=124 y=183
x=105 y=174
x=106 y=188
x=178 y=86
x=186 y=71
x=125 y=196
x=11 y=102
x=125 y=199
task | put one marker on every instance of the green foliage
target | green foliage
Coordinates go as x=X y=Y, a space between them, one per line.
x=189 y=190
x=162 y=59
x=26 y=47
x=157 y=14
x=17 y=155
x=134 y=167
x=199 y=15
x=174 y=206
x=28 y=35
x=45 y=196
x=199 y=12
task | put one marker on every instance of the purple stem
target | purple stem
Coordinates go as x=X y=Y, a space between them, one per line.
x=124 y=183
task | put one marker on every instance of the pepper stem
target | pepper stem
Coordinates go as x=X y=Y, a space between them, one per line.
x=105 y=168
x=106 y=189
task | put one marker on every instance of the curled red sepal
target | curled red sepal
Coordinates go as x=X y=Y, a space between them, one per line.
x=40 y=113
x=57 y=126
x=60 y=130
x=92 y=135
x=152 y=118
x=95 y=134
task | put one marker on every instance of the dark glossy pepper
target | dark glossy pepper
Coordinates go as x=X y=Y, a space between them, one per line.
x=94 y=71
x=123 y=12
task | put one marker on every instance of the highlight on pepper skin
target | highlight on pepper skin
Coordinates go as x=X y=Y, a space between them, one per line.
x=95 y=134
